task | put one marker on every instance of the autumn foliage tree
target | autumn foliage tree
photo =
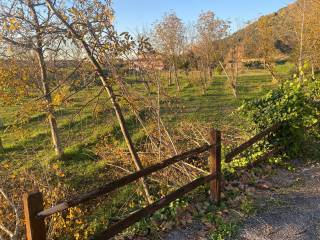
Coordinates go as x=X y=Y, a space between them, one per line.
x=89 y=26
x=169 y=40
x=265 y=46
x=233 y=65
x=295 y=31
x=12 y=87
x=306 y=25
x=211 y=30
x=27 y=29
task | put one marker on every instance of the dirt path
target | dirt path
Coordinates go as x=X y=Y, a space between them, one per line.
x=290 y=212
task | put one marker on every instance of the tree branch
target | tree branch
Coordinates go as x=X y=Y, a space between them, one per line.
x=13 y=235
x=6 y=230
x=18 y=44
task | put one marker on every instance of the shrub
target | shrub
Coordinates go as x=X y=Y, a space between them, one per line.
x=294 y=104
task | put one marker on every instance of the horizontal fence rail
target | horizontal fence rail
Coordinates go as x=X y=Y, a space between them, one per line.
x=264 y=157
x=33 y=202
x=121 y=182
x=135 y=217
x=250 y=142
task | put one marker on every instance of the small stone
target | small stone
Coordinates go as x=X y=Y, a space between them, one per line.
x=223 y=196
x=262 y=186
x=251 y=191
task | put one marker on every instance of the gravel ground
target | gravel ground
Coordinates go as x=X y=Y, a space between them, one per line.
x=189 y=232
x=291 y=211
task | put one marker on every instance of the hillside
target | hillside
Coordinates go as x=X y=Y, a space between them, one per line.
x=282 y=27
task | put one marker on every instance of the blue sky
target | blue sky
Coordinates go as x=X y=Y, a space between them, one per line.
x=136 y=14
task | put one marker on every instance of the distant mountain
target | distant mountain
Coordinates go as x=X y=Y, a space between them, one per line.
x=281 y=33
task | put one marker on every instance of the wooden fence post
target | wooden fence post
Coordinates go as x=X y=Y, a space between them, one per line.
x=1 y=146
x=215 y=165
x=35 y=226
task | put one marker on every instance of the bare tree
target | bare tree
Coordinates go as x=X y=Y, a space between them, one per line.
x=302 y=24
x=210 y=30
x=302 y=30
x=169 y=40
x=1 y=144
x=265 y=47
x=89 y=25
x=309 y=36
x=233 y=65
x=27 y=26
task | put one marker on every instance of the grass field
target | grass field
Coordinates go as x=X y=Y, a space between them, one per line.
x=215 y=107
x=87 y=133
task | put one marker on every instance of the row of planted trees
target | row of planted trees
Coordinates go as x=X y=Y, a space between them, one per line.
x=289 y=34
x=198 y=46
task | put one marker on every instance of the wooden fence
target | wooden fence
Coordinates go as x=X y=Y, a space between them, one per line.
x=33 y=202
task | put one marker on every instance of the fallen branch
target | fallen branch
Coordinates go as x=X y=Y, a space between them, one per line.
x=12 y=235
x=6 y=230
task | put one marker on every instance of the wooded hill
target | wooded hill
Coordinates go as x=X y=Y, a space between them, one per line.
x=280 y=34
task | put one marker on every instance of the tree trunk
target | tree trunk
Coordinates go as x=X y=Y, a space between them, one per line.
x=175 y=71
x=121 y=120
x=1 y=146
x=234 y=87
x=205 y=79
x=188 y=77
x=50 y=109
x=170 y=77
x=202 y=80
x=145 y=83
x=210 y=73
x=205 y=76
x=176 y=77
x=313 y=76
x=270 y=69
x=44 y=80
x=124 y=130
x=301 y=73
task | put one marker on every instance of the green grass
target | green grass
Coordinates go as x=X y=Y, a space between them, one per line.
x=286 y=68
x=218 y=101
